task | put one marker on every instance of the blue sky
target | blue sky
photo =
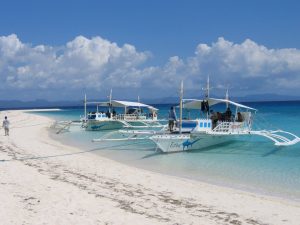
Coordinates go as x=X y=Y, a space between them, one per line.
x=159 y=40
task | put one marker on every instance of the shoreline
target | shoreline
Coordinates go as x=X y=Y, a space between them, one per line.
x=81 y=188
x=227 y=183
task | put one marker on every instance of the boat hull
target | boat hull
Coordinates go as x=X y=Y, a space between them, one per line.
x=179 y=143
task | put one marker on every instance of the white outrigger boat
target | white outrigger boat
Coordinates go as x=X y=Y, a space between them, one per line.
x=133 y=116
x=218 y=128
x=212 y=129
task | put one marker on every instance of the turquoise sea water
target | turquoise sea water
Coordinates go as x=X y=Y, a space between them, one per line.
x=252 y=164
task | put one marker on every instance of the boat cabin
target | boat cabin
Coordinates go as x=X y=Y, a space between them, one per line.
x=132 y=111
x=240 y=119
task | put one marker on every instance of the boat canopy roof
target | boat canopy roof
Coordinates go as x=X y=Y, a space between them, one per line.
x=116 y=103
x=196 y=103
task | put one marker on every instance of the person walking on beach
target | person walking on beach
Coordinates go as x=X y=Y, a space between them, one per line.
x=172 y=118
x=5 y=125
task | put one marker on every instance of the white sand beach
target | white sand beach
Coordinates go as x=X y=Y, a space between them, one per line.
x=66 y=186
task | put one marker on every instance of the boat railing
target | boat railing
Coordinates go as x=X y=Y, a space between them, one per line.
x=223 y=126
x=228 y=127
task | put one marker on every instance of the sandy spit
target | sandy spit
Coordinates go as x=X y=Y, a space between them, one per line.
x=82 y=188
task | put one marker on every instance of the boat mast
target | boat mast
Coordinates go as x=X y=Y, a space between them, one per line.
x=227 y=98
x=84 y=106
x=139 y=106
x=110 y=96
x=110 y=100
x=180 y=112
x=207 y=88
x=207 y=94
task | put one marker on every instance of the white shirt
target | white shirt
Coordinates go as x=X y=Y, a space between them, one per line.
x=5 y=124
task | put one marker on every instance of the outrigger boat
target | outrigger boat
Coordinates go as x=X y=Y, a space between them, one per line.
x=212 y=129
x=133 y=116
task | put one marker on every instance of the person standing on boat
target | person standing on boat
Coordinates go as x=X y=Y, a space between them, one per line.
x=172 y=118
x=228 y=114
x=214 y=118
x=5 y=125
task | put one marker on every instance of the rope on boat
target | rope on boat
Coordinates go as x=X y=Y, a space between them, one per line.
x=265 y=123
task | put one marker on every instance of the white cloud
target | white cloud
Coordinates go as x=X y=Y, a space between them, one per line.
x=96 y=65
x=10 y=46
x=247 y=65
x=81 y=63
